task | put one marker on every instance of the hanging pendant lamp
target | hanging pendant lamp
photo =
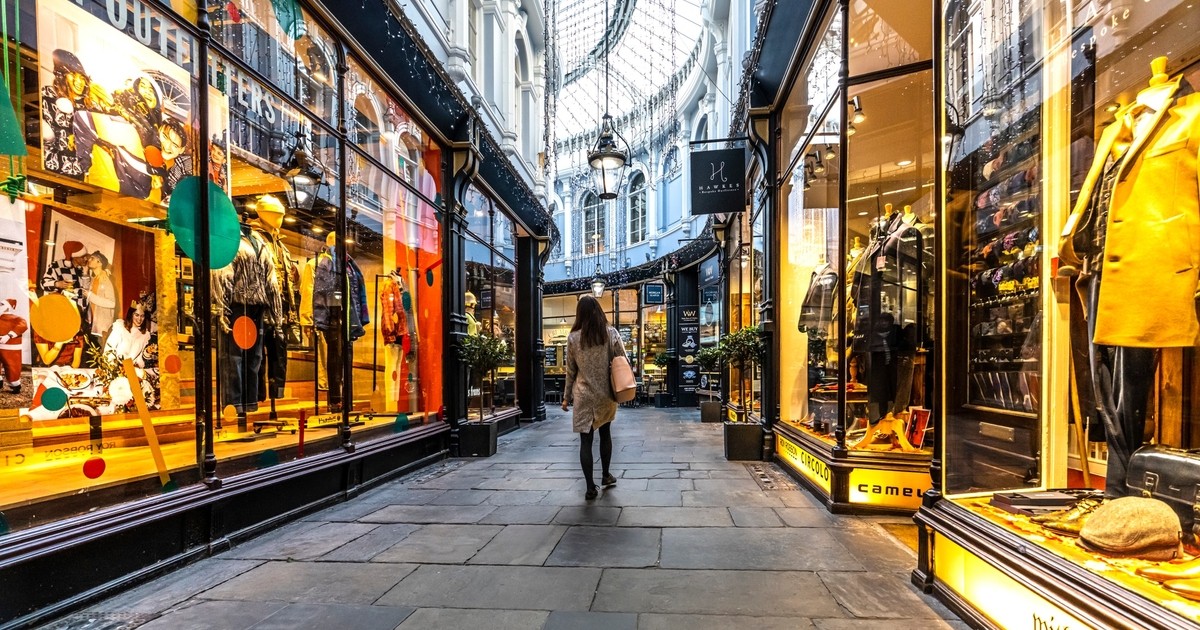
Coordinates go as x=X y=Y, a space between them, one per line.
x=608 y=156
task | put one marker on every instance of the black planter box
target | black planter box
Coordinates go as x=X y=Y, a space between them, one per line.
x=662 y=400
x=710 y=411
x=743 y=441
x=477 y=439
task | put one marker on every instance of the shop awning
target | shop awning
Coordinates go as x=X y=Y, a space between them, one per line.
x=783 y=33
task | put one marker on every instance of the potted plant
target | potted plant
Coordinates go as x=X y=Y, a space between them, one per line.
x=743 y=440
x=709 y=360
x=482 y=354
x=662 y=398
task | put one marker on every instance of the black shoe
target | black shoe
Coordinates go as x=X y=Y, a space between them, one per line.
x=14 y=389
x=608 y=480
x=591 y=493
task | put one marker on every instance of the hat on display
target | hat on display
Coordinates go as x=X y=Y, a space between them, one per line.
x=1133 y=527
x=74 y=249
x=470 y=300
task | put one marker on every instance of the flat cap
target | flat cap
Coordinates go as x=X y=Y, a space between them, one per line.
x=1133 y=527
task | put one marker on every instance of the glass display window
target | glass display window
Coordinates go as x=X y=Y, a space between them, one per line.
x=558 y=315
x=1070 y=333
x=491 y=296
x=283 y=44
x=97 y=400
x=387 y=132
x=817 y=87
x=885 y=35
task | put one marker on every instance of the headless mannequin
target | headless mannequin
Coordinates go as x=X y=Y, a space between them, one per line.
x=330 y=320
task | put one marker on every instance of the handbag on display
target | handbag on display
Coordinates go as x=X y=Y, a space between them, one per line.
x=624 y=385
x=1170 y=475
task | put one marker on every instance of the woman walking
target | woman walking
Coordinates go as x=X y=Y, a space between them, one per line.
x=590 y=348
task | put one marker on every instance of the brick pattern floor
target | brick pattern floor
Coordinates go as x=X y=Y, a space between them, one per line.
x=686 y=540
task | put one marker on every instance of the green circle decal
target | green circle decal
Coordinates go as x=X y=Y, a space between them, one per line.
x=54 y=398
x=223 y=229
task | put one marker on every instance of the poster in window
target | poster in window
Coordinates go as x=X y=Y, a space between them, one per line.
x=218 y=141
x=114 y=113
x=16 y=390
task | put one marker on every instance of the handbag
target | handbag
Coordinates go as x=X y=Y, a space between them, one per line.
x=1170 y=475
x=624 y=386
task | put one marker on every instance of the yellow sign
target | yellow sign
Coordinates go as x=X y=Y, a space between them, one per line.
x=1006 y=602
x=890 y=488
x=806 y=463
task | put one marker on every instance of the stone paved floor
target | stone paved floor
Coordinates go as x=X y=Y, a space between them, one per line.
x=685 y=540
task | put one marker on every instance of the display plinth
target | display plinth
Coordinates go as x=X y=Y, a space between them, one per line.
x=997 y=579
x=857 y=482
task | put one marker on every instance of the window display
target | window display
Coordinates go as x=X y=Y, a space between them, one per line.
x=1071 y=123
x=98 y=316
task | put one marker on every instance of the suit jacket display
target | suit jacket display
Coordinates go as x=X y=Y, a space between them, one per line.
x=1151 y=264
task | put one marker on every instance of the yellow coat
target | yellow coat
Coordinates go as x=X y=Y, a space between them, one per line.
x=1151 y=267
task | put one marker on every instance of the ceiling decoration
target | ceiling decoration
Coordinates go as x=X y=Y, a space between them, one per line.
x=650 y=46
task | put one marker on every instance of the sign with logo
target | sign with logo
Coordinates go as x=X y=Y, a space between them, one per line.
x=718 y=181
x=891 y=488
x=653 y=294
x=689 y=345
x=805 y=463
x=485 y=298
x=710 y=271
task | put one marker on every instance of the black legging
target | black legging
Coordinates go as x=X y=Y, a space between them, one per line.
x=585 y=452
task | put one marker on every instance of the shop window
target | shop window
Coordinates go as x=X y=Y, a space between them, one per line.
x=474 y=45
x=885 y=34
x=385 y=131
x=807 y=102
x=285 y=45
x=637 y=209
x=594 y=221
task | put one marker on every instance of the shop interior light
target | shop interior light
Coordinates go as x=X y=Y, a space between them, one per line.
x=829 y=154
x=818 y=166
x=858 y=117
x=608 y=156
x=903 y=163
x=850 y=130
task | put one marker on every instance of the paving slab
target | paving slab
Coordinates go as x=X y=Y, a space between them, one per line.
x=588 y=515
x=429 y=514
x=743 y=593
x=521 y=515
x=713 y=498
x=457 y=619
x=755 y=517
x=216 y=616
x=563 y=620
x=621 y=496
x=876 y=550
x=312 y=582
x=366 y=547
x=172 y=588
x=675 y=517
x=607 y=547
x=805 y=517
x=311 y=543
x=325 y=616
x=520 y=544
x=461 y=497
x=493 y=587
x=395 y=495
x=442 y=544
x=515 y=497
x=653 y=621
x=714 y=484
x=739 y=548
x=667 y=484
x=876 y=595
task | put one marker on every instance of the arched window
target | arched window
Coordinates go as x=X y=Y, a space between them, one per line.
x=562 y=234
x=594 y=228
x=637 y=208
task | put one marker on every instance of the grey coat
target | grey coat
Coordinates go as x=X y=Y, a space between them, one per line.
x=589 y=384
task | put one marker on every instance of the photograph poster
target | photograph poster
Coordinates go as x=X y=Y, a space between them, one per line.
x=114 y=113
x=16 y=389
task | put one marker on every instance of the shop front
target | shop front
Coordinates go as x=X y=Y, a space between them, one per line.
x=854 y=305
x=1067 y=351
x=221 y=306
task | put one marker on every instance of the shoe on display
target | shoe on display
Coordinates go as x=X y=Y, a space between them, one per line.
x=1189 y=570
x=14 y=389
x=1187 y=588
x=591 y=493
x=1071 y=523
x=608 y=481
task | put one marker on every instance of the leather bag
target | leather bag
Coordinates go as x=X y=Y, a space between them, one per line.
x=1170 y=475
x=624 y=385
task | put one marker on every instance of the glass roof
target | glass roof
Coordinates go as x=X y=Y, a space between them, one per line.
x=646 y=42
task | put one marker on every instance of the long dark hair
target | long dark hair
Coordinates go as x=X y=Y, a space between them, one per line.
x=591 y=322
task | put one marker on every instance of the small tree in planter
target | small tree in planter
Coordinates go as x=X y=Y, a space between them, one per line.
x=482 y=353
x=739 y=348
x=709 y=360
x=663 y=361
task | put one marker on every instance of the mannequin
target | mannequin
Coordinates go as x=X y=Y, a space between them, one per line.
x=271 y=213
x=908 y=217
x=328 y=319
x=398 y=325
x=856 y=248
x=1149 y=148
x=249 y=287
x=307 y=277
x=472 y=323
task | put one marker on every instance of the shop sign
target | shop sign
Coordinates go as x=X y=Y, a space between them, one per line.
x=718 y=181
x=689 y=345
x=710 y=271
x=653 y=294
x=1003 y=600
x=137 y=19
x=890 y=488
x=807 y=464
x=485 y=298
